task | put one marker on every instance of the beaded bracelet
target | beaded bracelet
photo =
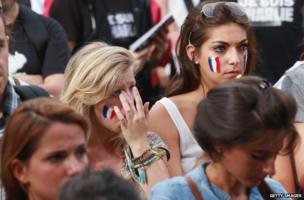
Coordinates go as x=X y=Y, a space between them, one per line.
x=150 y=154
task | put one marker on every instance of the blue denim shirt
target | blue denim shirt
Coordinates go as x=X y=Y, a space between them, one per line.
x=176 y=188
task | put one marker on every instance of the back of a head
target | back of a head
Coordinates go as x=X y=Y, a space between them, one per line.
x=98 y=185
x=238 y=111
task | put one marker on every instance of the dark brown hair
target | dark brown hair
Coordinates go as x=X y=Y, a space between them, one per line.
x=239 y=111
x=196 y=30
x=23 y=131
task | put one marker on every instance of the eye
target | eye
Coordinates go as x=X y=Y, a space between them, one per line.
x=81 y=152
x=132 y=86
x=244 y=47
x=115 y=94
x=219 y=48
x=56 y=157
x=262 y=156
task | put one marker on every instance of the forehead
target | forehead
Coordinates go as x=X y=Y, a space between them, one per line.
x=271 y=140
x=230 y=33
x=61 y=135
x=125 y=77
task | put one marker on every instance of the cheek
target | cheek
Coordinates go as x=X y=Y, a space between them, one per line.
x=240 y=164
x=214 y=64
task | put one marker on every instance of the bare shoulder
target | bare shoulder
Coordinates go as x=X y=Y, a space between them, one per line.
x=160 y=122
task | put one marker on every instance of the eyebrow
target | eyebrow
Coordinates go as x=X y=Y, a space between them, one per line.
x=226 y=43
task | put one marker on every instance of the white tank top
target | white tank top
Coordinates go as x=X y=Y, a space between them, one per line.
x=190 y=150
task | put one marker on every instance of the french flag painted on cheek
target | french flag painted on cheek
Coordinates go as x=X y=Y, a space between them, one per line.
x=108 y=112
x=245 y=60
x=214 y=64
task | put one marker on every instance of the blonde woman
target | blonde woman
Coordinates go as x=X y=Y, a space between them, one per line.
x=100 y=84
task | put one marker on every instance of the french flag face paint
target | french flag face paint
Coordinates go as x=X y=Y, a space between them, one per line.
x=245 y=60
x=108 y=112
x=214 y=64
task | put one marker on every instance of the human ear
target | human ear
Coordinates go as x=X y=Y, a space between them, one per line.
x=191 y=53
x=20 y=171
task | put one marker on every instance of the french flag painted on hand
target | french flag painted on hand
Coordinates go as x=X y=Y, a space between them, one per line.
x=214 y=64
x=108 y=112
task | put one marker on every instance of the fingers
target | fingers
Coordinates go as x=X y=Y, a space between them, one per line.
x=161 y=36
x=131 y=109
x=126 y=105
x=138 y=101
x=118 y=113
x=120 y=116
x=142 y=54
x=146 y=109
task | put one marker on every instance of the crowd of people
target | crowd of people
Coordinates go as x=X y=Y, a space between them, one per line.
x=108 y=128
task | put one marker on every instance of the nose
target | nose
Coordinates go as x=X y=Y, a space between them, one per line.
x=74 y=166
x=269 y=167
x=234 y=57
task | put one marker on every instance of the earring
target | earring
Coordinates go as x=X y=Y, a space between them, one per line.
x=196 y=62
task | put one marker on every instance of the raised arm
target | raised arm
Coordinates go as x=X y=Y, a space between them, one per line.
x=160 y=122
x=147 y=164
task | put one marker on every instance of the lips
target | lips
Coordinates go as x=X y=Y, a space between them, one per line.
x=232 y=74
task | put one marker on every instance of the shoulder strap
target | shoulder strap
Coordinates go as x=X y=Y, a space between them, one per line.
x=294 y=173
x=193 y=188
x=27 y=92
x=35 y=30
x=189 y=4
x=175 y=115
x=265 y=190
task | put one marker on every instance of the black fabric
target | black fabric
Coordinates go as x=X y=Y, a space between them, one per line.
x=42 y=41
x=189 y=4
x=25 y=2
x=38 y=40
x=296 y=183
x=27 y=92
x=265 y=190
x=75 y=17
x=279 y=46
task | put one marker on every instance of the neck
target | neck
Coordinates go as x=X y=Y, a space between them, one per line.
x=220 y=177
x=207 y=84
x=11 y=15
x=100 y=137
x=198 y=94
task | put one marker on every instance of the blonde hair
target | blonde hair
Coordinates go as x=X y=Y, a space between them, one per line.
x=92 y=73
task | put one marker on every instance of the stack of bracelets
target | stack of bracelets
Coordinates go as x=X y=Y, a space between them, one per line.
x=136 y=166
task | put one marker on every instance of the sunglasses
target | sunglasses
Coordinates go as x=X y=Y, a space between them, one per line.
x=208 y=9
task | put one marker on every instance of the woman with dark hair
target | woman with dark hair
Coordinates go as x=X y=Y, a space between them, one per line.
x=242 y=125
x=216 y=44
x=44 y=144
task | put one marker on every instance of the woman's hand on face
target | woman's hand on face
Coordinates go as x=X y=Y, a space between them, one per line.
x=134 y=123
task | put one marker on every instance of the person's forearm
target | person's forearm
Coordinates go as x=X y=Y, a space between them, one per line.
x=30 y=79
x=53 y=84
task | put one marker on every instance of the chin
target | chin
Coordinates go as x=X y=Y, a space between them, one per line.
x=253 y=182
x=115 y=129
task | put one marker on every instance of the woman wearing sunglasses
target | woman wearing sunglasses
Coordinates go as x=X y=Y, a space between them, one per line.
x=242 y=136
x=216 y=44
